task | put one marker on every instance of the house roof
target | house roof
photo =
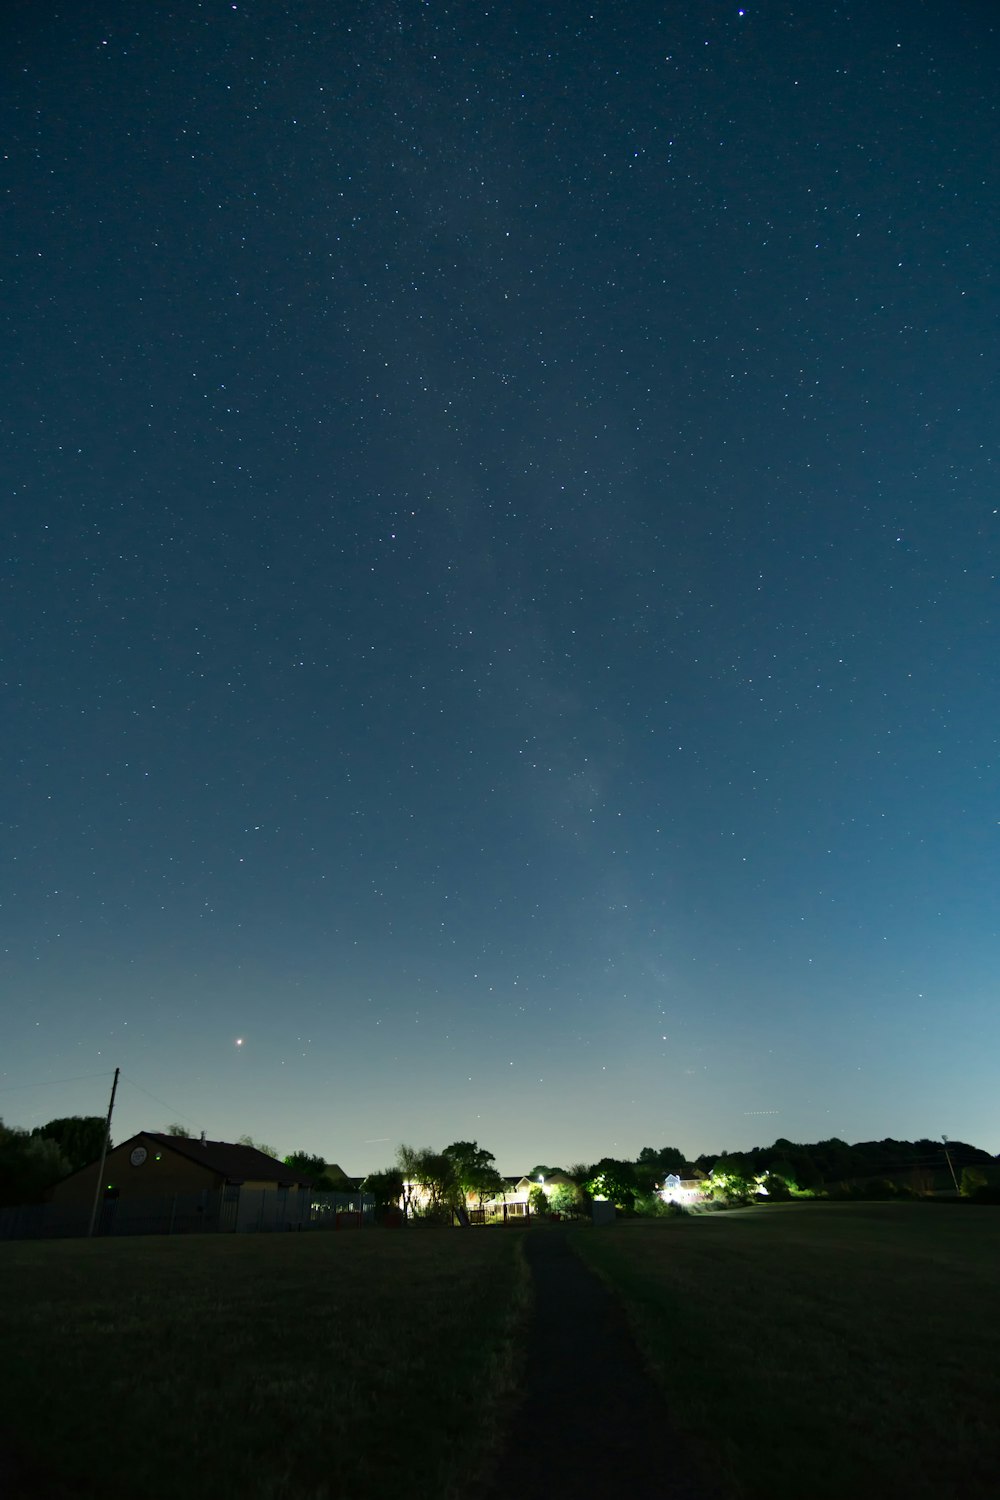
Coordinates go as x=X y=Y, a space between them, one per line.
x=234 y=1162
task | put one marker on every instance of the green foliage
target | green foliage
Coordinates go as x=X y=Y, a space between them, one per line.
x=407 y=1158
x=784 y=1169
x=651 y=1206
x=434 y=1213
x=731 y=1181
x=29 y=1164
x=566 y=1198
x=436 y=1174
x=613 y=1179
x=541 y=1170
x=80 y=1138
x=473 y=1171
x=311 y=1167
x=537 y=1200
x=973 y=1180
x=180 y=1131
x=432 y=1171
x=653 y=1164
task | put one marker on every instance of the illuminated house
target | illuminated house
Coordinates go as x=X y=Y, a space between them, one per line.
x=512 y=1203
x=517 y=1199
x=684 y=1190
x=189 y=1183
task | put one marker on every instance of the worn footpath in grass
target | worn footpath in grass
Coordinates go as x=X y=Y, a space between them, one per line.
x=306 y=1366
x=824 y=1350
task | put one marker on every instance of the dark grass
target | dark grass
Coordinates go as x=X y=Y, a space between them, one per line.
x=823 y=1350
x=369 y=1364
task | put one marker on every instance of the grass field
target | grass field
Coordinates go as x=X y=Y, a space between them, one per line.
x=309 y=1366
x=820 y=1351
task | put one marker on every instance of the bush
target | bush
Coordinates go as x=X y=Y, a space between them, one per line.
x=566 y=1199
x=537 y=1201
x=650 y=1206
x=973 y=1181
x=432 y=1213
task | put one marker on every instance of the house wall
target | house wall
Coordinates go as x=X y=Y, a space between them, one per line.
x=163 y=1172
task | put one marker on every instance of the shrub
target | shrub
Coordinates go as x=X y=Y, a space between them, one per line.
x=566 y=1199
x=537 y=1201
x=973 y=1181
x=650 y=1206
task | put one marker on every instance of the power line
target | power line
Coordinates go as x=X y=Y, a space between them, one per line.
x=15 y=1088
x=158 y=1100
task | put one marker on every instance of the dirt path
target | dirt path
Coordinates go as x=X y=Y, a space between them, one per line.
x=591 y=1421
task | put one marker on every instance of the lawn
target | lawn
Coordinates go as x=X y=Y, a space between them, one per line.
x=823 y=1350
x=313 y=1366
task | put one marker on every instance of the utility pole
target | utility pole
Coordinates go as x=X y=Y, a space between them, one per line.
x=951 y=1169
x=104 y=1153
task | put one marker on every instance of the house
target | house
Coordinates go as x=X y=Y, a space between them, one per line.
x=518 y=1196
x=187 y=1184
x=684 y=1190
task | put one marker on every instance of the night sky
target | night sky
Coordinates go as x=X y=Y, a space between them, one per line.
x=499 y=557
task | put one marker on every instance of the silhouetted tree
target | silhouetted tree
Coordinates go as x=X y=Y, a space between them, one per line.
x=613 y=1179
x=386 y=1187
x=29 y=1164
x=80 y=1138
x=262 y=1146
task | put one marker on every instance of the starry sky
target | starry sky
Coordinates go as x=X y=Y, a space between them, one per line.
x=499 y=546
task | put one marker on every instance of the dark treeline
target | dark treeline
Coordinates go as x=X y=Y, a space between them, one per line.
x=788 y=1169
x=32 y=1161
x=921 y=1166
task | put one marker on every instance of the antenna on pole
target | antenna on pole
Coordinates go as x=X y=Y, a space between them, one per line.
x=104 y=1153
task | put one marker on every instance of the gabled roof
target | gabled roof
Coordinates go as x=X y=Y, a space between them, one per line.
x=234 y=1162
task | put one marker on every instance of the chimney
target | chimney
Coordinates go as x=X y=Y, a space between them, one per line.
x=203 y=1140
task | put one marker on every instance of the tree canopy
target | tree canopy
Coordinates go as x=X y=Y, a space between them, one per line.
x=474 y=1169
x=29 y=1164
x=80 y=1138
x=262 y=1146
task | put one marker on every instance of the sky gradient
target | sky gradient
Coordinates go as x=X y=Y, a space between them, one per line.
x=500 y=573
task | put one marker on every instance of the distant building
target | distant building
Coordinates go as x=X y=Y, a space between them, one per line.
x=231 y=1187
x=517 y=1196
x=686 y=1189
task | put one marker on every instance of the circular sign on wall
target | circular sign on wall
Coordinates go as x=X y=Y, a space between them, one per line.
x=138 y=1156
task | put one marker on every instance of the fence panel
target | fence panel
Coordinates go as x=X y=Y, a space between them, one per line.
x=325 y=1207
x=232 y=1210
